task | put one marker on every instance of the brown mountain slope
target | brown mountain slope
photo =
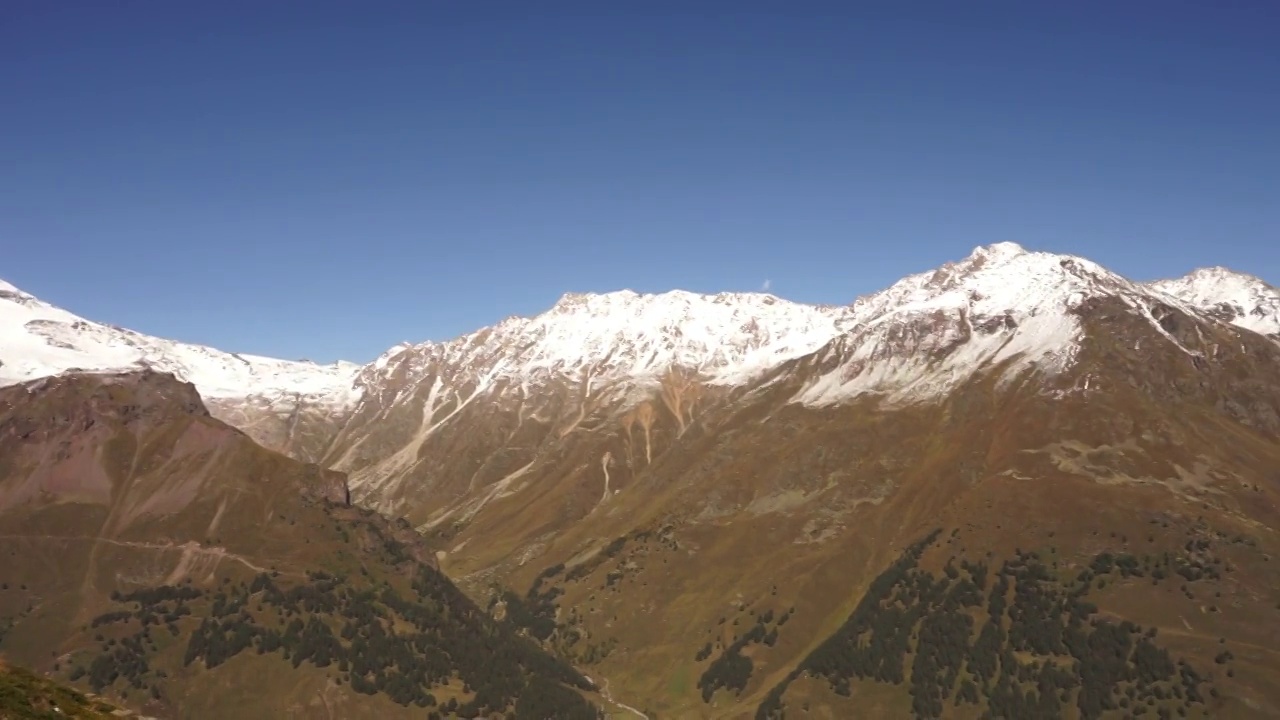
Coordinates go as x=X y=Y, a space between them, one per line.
x=165 y=560
x=1167 y=454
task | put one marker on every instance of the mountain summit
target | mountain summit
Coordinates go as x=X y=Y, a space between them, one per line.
x=1001 y=308
x=1235 y=297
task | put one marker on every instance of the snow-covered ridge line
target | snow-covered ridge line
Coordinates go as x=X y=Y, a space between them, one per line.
x=1001 y=305
x=627 y=337
x=1004 y=307
x=40 y=340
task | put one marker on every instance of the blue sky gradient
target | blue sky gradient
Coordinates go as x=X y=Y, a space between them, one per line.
x=324 y=179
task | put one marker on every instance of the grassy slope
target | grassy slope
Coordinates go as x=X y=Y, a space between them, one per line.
x=193 y=501
x=772 y=506
x=27 y=696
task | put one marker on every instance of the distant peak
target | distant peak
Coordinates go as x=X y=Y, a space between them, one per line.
x=578 y=299
x=997 y=252
x=678 y=294
x=610 y=301
x=1218 y=272
x=392 y=352
x=1242 y=299
x=1213 y=281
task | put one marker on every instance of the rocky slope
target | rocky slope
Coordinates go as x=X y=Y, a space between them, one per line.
x=164 y=560
x=441 y=428
x=528 y=381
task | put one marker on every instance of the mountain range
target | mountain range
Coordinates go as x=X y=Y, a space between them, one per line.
x=948 y=498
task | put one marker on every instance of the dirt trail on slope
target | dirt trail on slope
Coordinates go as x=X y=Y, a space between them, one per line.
x=604 y=692
x=192 y=551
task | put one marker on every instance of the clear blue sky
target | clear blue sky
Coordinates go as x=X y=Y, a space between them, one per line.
x=316 y=179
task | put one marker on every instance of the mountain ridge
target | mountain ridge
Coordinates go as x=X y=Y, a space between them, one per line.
x=1000 y=306
x=39 y=339
x=608 y=491
x=651 y=330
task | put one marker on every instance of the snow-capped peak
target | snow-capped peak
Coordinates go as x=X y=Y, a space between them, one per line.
x=676 y=304
x=997 y=252
x=390 y=353
x=730 y=336
x=1238 y=298
x=38 y=340
x=993 y=279
x=626 y=335
x=1001 y=308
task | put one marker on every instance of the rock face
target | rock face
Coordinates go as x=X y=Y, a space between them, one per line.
x=143 y=447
